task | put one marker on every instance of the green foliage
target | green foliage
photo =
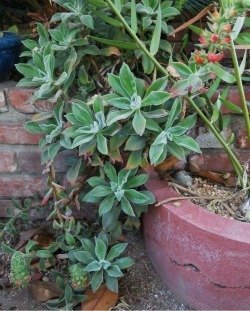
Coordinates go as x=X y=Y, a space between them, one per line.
x=20 y=273
x=132 y=114
x=101 y=262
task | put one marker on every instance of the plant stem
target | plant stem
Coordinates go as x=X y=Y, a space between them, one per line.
x=134 y=36
x=240 y=89
x=235 y=162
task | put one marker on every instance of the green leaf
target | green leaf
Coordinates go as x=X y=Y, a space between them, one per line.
x=93 y=266
x=134 y=159
x=111 y=283
x=117 y=115
x=124 y=262
x=33 y=128
x=223 y=74
x=126 y=207
x=237 y=27
x=116 y=251
x=119 y=44
x=82 y=114
x=68 y=293
x=96 y=280
x=100 y=249
x=134 y=25
x=127 y=80
x=182 y=69
x=187 y=142
x=176 y=151
x=156 y=98
x=139 y=123
x=174 y=113
x=155 y=152
x=115 y=83
x=114 y=271
x=44 y=254
x=188 y=122
x=110 y=171
x=155 y=42
x=231 y=106
x=101 y=191
x=102 y=144
x=96 y=181
x=137 y=181
x=73 y=172
x=106 y=204
x=158 y=85
x=136 y=197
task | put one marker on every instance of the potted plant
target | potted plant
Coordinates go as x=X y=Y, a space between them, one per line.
x=10 y=49
x=131 y=118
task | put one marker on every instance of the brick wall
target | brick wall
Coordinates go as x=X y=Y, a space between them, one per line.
x=20 y=169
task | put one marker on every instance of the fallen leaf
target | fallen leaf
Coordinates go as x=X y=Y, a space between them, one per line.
x=43 y=291
x=43 y=240
x=167 y=164
x=225 y=179
x=25 y=236
x=103 y=299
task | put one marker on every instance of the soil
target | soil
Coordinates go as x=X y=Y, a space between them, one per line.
x=140 y=289
x=217 y=198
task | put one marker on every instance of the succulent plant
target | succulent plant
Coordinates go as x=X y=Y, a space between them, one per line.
x=79 y=277
x=20 y=273
x=102 y=263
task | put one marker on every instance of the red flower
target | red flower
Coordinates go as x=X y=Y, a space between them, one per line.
x=213 y=58
x=214 y=38
x=199 y=58
x=202 y=40
x=226 y=40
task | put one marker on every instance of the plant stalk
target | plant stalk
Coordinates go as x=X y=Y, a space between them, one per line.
x=240 y=88
x=235 y=162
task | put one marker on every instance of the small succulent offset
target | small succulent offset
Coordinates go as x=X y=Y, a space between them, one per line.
x=116 y=192
x=79 y=277
x=20 y=272
x=101 y=262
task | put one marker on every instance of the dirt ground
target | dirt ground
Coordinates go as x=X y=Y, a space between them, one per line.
x=140 y=289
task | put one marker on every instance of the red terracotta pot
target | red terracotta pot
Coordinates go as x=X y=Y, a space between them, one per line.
x=202 y=257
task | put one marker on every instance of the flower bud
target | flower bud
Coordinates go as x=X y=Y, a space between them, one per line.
x=213 y=58
x=199 y=58
x=214 y=38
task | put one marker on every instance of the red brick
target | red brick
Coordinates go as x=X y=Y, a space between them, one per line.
x=215 y=161
x=29 y=161
x=234 y=97
x=15 y=134
x=21 y=185
x=242 y=140
x=3 y=106
x=7 y=162
x=4 y=204
x=21 y=99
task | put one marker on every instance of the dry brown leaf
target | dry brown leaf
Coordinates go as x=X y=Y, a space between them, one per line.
x=225 y=179
x=43 y=240
x=167 y=164
x=44 y=291
x=25 y=236
x=103 y=300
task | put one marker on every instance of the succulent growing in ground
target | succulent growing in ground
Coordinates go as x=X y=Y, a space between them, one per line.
x=79 y=277
x=20 y=273
x=102 y=263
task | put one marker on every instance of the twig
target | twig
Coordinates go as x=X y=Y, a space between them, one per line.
x=193 y=20
x=178 y=186
x=186 y=198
